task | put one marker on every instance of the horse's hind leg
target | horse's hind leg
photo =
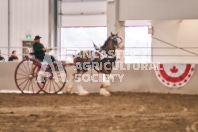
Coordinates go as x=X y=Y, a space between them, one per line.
x=106 y=83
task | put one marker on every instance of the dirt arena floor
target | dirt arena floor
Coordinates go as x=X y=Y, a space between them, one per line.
x=122 y=112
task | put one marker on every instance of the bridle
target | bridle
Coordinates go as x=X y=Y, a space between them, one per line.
x=115 y=41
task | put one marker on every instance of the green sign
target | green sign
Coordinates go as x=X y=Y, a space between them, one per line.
x=28 y=37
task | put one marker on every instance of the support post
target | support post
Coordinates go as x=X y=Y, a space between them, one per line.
x=114 y=25
x=8 y=28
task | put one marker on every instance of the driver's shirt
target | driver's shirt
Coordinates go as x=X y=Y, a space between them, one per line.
x=38 y=52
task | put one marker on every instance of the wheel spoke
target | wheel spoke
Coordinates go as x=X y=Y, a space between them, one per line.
x=46 y=84
x=22 y=82
x=32 y=86
x=50 y=87
x=57 y=84
x=25 y=67
x=34 y=82
x=54 y=86
x=21 y=74
x=29 y=66
x=26 y=84
x=29 y=87
x=23 y=70
x=22 y=78
x=33 y=68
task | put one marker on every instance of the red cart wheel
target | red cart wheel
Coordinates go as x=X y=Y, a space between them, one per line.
x=55 y=81
x=25 y=76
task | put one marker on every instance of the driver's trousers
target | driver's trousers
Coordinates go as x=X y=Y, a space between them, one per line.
x=48 y=58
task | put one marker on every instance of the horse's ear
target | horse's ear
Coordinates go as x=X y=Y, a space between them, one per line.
x=114 y=34
x=96 y=47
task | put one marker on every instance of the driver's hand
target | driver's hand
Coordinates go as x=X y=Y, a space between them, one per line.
x=44 y=49
x=50 y=49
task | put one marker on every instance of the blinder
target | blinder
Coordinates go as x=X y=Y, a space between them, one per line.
x=115 y=41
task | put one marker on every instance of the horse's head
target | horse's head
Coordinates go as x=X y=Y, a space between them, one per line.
x=112 y=42
x=115 y=39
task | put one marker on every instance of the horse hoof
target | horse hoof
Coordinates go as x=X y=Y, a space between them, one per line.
x=68 y=89
x=104 y=92
x=83 y=93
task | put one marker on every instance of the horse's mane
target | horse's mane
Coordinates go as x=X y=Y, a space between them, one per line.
x=106 y=43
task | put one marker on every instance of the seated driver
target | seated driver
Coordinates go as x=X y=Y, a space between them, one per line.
x=39 y=51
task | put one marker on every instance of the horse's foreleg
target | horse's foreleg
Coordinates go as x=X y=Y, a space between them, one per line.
x=106 y=83
x=81 y=90
x=69 y=84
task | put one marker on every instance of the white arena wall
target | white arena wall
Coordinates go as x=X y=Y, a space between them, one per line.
x=26 y=16
x=4 y=25
x=133 y=81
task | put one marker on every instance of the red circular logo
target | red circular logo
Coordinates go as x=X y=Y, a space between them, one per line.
x=174 y=75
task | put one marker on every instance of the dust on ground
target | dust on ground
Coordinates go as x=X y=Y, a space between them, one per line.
x=121 y=112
